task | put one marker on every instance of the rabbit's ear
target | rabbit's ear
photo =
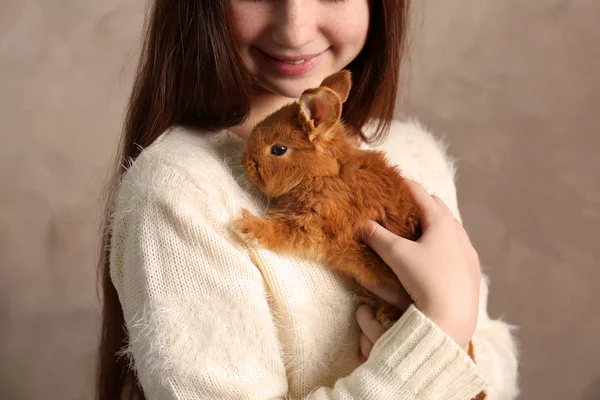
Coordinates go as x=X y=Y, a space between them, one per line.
x=340 y=83
x=322 y=109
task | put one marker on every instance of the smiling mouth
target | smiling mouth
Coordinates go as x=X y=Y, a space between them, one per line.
x=291 y=66
x=292 y=60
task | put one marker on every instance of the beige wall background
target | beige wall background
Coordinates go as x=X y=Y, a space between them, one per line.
x=513 y=85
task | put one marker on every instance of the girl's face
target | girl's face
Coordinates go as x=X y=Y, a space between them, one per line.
x=291 y=45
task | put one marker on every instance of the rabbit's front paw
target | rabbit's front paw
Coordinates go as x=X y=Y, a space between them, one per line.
x=248 y=228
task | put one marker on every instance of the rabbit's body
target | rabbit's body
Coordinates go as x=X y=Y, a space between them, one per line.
x=324 y=214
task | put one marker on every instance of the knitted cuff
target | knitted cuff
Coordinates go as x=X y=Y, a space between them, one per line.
x=426 y=362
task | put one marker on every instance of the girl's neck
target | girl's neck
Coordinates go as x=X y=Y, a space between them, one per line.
x=263 y=104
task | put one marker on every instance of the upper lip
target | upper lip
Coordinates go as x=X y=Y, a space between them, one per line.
x=291 y=58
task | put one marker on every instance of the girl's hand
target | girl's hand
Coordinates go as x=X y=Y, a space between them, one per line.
x=440 y=272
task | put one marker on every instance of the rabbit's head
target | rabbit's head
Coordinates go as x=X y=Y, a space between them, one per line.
x=300 y=141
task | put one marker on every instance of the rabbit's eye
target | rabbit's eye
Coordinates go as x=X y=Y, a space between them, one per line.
x=278 y=150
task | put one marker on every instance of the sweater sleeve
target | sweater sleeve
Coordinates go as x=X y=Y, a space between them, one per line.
x=198 y=317
x=423 y=158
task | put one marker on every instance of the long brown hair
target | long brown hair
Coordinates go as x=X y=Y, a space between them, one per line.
x=189 y=73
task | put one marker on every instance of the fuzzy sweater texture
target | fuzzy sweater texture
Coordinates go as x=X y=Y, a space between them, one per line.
x=211 y=318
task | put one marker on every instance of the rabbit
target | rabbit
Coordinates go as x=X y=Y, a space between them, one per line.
x=325 y=189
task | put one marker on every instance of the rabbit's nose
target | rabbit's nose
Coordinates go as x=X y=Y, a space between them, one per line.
x=249 y=164
x=252 y=162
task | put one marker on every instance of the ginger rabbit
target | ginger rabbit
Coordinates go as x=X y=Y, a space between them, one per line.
x=324 y=189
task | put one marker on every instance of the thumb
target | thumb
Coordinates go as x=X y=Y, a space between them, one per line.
x=427 y=205
x=390 y=247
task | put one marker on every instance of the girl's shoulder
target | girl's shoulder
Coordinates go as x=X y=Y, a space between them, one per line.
x=181 y=159
x=414 y=148
x=192 y=150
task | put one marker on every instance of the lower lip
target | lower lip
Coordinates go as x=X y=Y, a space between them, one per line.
x=288 y=69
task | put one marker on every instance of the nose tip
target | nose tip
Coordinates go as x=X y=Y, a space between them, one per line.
x=295 y=26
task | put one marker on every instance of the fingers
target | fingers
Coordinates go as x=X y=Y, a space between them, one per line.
x=444 y=207
x=394 y=251
x=459 y=227
x=370 y=327
x=394 y=294
x=441 y=203
x=428 y=206
x=365 y=346
x=384 y=242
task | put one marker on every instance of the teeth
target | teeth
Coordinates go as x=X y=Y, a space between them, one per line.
x=295 y=62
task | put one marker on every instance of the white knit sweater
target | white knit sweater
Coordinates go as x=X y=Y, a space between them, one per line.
x=209 y=318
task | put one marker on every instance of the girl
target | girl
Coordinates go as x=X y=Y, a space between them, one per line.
x=190 y=313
